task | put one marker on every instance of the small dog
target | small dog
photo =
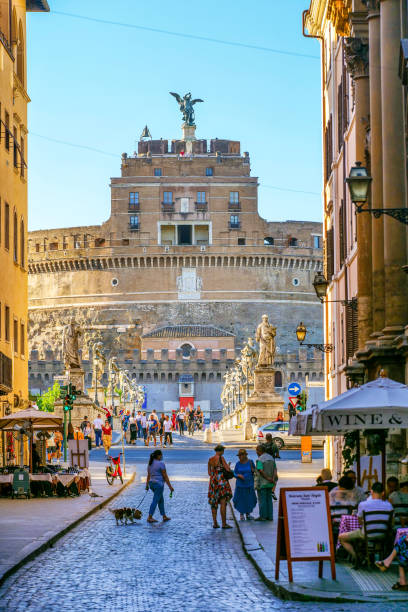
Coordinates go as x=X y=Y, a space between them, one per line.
x=126 y=514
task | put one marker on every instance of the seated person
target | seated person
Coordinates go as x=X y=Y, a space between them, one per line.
x=326 y=480
x=400 y=497
x=374 y=503
x=358 y=491
x=392 y=485
x=36 y=459
x=343 y=494
x=400 y=552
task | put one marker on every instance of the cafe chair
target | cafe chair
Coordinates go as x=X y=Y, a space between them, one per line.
x=377 y=532
x=336 y=512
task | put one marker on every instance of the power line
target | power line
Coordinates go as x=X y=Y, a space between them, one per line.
x=293 y=190
x=190 y=36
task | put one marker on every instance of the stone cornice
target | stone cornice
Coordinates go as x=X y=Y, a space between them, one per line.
x=356 y=56
x=322 y=11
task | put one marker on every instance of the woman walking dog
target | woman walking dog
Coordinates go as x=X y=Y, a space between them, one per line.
x=156 y=477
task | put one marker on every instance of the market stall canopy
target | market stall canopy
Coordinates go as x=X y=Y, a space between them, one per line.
x=36 y=418
x=379 y=404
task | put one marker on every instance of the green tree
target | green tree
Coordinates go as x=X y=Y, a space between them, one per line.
x=46 y=401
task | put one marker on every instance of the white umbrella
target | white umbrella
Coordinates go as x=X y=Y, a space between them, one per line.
x=379 y=404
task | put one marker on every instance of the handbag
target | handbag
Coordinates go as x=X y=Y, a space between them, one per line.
x=227 y=473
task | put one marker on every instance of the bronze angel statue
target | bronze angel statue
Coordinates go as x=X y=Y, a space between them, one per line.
x=186 y=106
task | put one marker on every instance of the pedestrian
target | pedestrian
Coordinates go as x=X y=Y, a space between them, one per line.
x=132 y=429
x=70 y=434
x=244 y=499
x=266 y=478
x=97 y=425
x=87 y=431
x=139 y=424
x=219 y=490
x=180 y=422
x=161 y=428
x=143 y=421
x=78 y=435
x=400 y=551
x=270 y=447
x=191 y=421
x=291 y=410
x=156 y=477
x=58 y=437
x=199 y=418
x=168 y=438
x=173 y=420
x=106 y=437
x=152 y=429
x=50 y=446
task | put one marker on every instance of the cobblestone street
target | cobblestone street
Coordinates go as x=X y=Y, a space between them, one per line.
x=179 y=566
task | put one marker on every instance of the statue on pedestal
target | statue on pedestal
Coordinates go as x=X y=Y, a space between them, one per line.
x=265 y=336
x=70 y=345
x=99 y=362
x=248 y=360
x=186 y=106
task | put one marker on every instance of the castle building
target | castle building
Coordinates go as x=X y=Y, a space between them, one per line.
x=184 y=246
x=13 y=205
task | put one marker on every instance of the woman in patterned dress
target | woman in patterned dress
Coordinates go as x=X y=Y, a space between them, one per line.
x=219 y=490
x=400 y=551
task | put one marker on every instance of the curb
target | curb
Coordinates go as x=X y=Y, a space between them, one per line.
x=50 y=542
x=265 y=568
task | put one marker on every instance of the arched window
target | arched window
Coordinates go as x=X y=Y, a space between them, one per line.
x=278 y=379
x=15 y=237
x=186 y=350
x=22 y=244
x=292 y=376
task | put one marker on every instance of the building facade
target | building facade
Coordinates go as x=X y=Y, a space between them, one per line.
x=364 y=78
x=184 y=245
x=13 y=203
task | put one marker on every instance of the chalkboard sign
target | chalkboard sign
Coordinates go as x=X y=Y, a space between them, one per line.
x=304 y=528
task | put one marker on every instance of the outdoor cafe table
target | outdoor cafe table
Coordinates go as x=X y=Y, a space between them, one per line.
x=6 y=478
x=41 y=478
x=348 y=522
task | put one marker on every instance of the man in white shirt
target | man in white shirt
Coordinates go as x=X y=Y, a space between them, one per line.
x=167 y=431
x=374 y=504
x=97 y=425
x=180 y=420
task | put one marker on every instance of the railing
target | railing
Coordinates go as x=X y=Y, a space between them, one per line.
x=132 y=207
x=168 y=206
x=234 y=205
x=234 y=225
x=134 y=227
x=6 y=384
x=201 y=206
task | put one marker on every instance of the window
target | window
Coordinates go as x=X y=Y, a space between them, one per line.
x=241 y=241
x=7 y=130
x=201 y=197
x=234 y=197
x=15 y=148
x=134 y=197
x=22 y=339
x=186 y=351
x=134 y=221
x=77 y=244
x=15 y=335
x=209 y=171
x=22 y=244
x=22 y=152
x=168 y=197
x=37 y=247
x=268 y=241
x=293 y=242
x=15 y=240
x=317 y=242
x=234 y=221
x=157 y=172
x=7 y=323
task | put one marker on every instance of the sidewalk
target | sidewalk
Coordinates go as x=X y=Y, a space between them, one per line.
x=259 y=542
x=230 y=439
x=27 y=527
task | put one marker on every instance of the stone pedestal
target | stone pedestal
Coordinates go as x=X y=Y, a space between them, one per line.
x=76 y=377
x=264 y=403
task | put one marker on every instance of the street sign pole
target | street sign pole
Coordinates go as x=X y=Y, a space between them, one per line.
x=65 y=435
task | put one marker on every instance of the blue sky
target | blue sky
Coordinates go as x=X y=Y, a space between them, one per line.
x=97 y=85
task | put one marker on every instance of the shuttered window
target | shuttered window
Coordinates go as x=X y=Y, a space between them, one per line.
x=342 y=233
x=328 y=145
x=351 y=331
x=329 y=254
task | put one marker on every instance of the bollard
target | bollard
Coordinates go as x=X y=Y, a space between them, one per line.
x=208 y=435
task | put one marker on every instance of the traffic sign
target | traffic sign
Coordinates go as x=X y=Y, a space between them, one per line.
x=294 y=388
x=293 y=401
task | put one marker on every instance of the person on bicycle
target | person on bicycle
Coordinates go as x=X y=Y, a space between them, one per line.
x=156 y=478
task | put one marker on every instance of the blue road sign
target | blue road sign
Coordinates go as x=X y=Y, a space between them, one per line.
x=294 y=388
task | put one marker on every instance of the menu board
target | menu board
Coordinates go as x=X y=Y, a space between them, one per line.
x=307 y=523
x=304 y=528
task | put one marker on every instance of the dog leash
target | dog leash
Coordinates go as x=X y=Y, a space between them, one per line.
x=142 y=500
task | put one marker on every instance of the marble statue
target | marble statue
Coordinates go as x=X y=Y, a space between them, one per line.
x=248 y=359
x=265 y=336
x=99 y=361
x=187 y=106
x=70 y=345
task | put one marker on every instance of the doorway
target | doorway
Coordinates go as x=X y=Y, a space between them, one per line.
x=184 y=234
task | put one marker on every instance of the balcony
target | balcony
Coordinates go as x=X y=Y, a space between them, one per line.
x=234 y=225
x=168 y=207
x=234 y=206
x=201 y=206
x=5 y=374
x=133 y=207
x=134 y=227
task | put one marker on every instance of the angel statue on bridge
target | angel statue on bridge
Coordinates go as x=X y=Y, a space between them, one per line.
x=187 y=106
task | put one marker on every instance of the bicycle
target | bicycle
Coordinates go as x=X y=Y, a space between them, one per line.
x=113 y=470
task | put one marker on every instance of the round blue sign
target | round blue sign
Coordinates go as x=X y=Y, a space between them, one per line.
x=294 y=388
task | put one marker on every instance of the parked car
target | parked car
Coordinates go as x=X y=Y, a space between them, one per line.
x=281 y=437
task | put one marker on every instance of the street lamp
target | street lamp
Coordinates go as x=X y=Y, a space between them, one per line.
x=320 y=285
x=358 y=182
x=301 y=332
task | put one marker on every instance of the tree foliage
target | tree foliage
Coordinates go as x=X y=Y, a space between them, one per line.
x=46 y=401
